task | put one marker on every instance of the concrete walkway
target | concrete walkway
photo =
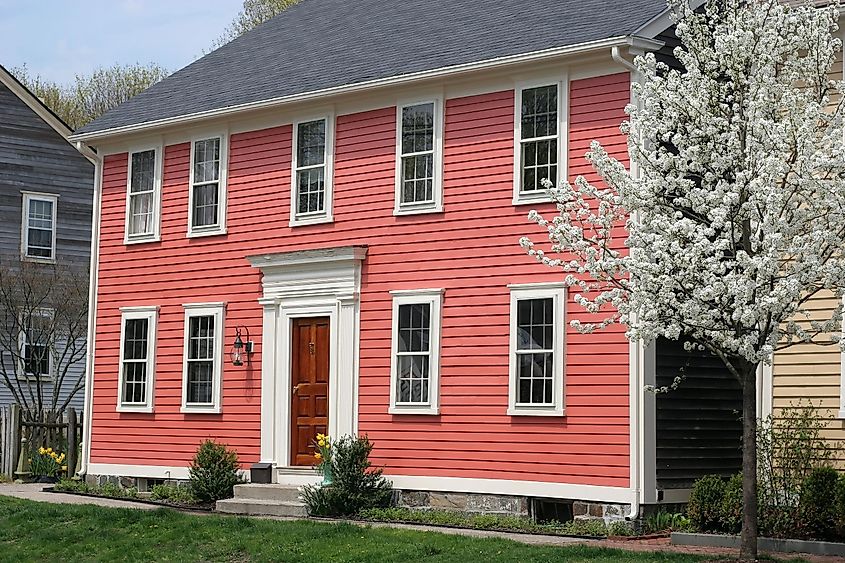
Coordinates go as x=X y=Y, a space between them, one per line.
x=35 y=491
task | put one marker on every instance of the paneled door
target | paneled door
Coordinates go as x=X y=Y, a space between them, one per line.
x=309 y=387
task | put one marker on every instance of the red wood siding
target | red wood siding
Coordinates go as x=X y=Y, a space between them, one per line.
x=471 y=250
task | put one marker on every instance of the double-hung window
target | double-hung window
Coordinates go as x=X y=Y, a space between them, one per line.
x=203 y=363
x=207 y=206
x=143 y=196
x=415 y=362
x=536 y=350
x=419 y=150
x=36 y=350
x=311 y=200
x=137 y=359
x=540 y=150
x=38 y=232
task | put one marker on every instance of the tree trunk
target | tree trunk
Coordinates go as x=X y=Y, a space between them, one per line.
x=748 y=546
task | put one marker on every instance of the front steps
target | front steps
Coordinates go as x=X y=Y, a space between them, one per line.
x=264 y=500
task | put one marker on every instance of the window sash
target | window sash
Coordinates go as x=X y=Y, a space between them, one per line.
x=206 y=169
x=311 y=201
x=142 y=204
x=418 y=189
x=134 y=383
x=203 y=349
x=531 y=175
x=39 y=223
x=413 y=367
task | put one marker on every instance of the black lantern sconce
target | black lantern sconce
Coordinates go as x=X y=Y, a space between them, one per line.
x=241 y=351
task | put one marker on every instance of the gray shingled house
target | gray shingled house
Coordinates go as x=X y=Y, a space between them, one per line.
x=46 y=199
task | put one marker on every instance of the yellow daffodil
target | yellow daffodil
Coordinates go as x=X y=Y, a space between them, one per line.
x=321 y=436
x=42 y=451
x=49 y=450
x=321 y=443
x=318 y=455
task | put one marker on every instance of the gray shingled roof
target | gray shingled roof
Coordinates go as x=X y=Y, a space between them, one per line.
x=320 y=44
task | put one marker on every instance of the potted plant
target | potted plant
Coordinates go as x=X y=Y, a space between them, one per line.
x=46 y=465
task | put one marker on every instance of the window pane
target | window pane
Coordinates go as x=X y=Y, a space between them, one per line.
x=135 y=382
x=539 y=162
x=201 y=338
x=200 y=381
x=535 y=378
x=539 y=112
x=206 y=161
x=143 y=171
x=414 y=327
x=141 y=213
x=135 y=339
x=205 y=205
x=417 y=178
x=311 y=190
x=311 y=143
x=413 y=374
x=418 y=128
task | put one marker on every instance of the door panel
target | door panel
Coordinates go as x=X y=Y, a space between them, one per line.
x=309 y=387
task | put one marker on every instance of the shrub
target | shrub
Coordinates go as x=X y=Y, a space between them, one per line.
x=620 y=529
x=662 y=521
x=817 y=511
x=214 y=472
x=840 y=506
x=705 y=503
x=731 y=506
x=355 y=486
x=173 y=493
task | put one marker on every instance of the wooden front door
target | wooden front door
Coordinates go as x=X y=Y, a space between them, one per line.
x=309 y=387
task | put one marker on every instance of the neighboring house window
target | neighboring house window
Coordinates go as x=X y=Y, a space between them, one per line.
x=536 y=350
x=203 y=369
x=137 y=358
x=143 y=196
x=415 y=364
x=540 y=152
x=35 y=344
x=208 y=187
x=312 y=174
x=38 y=235
x=419 y=150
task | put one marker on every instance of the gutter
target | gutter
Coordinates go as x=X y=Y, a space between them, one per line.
x=501 y=62
x=92 y=315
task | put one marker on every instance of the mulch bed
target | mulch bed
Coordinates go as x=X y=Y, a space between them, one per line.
x=161 y=503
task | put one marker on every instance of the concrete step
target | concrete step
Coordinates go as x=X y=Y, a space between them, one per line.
x=277 y=493
x=261 y=507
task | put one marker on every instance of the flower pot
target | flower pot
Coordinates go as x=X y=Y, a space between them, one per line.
x=328 y=478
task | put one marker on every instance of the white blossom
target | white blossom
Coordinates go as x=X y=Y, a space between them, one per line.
x=734 y=214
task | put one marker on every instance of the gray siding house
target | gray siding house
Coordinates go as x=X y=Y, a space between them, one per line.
x=46 y=200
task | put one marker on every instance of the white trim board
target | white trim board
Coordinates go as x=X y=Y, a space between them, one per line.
x=144 y=471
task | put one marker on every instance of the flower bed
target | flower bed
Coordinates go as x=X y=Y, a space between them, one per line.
x=171 y=496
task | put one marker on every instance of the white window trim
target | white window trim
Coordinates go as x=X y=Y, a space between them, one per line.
x=202 y=310
x=27 y=198
x=296 y=219
x=155 y=236
x=435 y=206
x=434 y=298
x=557 y=292
x=222 y=189
x=22 y=341
x=150 y=313
x=561 y=80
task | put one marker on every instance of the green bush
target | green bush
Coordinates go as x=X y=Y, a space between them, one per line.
x=731 y=506
x=355 y=486
x=817 y=510
x=840 y=506
x=662 y=522
x=705 y=503
x=172 y=493
x=214 y=472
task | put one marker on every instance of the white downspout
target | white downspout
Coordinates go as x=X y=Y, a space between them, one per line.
x=92 y=314
x=636 y=364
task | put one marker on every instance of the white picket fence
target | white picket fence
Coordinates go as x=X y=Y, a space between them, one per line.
x=9 y=423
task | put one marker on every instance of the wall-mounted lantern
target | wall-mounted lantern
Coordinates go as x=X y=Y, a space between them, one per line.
x=241 y=351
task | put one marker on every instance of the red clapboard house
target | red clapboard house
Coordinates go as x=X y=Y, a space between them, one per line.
x=342 y=190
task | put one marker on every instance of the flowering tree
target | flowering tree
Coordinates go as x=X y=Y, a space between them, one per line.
x=734 y=208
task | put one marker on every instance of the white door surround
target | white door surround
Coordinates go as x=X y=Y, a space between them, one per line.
x=308 y=283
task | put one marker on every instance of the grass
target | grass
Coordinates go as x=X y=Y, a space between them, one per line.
x=31 y=531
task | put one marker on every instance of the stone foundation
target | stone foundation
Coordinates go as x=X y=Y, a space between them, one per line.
x=464 y=502
x=607 y=512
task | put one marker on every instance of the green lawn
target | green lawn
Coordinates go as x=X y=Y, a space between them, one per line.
x=31 y=531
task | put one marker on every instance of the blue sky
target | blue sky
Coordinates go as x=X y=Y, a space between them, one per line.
x=60 y=38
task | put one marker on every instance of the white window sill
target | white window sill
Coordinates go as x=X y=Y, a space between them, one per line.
x=144 y=409
x=200 y=409
x=414 y=410
x=36 y=260
x=305 y=221
x=841 y=414
x=141 y=240
x=535 y=411
x=417 y=209
x=528 y=198
x=207 y=232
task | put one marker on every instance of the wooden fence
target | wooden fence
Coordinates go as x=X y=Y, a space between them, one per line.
x=64 y=433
